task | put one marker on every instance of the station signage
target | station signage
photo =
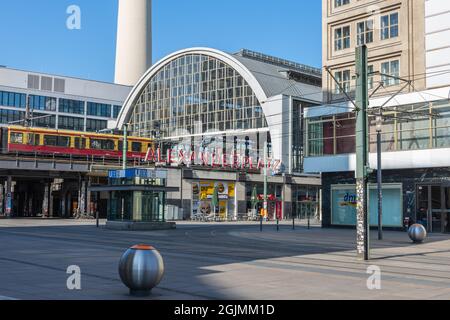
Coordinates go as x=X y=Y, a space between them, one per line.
x=137 y=173
x=210 y=159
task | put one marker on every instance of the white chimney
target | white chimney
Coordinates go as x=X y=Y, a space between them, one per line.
x=134 y=41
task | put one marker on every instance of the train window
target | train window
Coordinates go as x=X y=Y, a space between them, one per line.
x=101 y=144
x=120 y=145
x=33 y=139
x=16 y=137
x=136 y=146
x=80 y=143
x=50 y=140
x=63 y=141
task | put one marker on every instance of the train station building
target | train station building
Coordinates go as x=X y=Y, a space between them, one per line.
x=213 y=113
x=217 y=119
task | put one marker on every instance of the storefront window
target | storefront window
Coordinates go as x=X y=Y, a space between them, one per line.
x=305 y=202
x=344 y=200
x=202 y=201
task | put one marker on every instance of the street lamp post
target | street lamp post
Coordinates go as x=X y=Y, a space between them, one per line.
x=379 y=120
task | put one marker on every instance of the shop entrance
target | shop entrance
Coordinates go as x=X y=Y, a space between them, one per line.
x=433 y=207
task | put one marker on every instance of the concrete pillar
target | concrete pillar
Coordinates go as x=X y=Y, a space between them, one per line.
x=62 y=203
x=82 y=197
x=187 y=199
x=286 y=205
x=88 y=197
x=30 y=205
x=241 y=201
x=25 y=203
x=50 y=200
x=2 y=199
x=9 y=197
x=45 y=201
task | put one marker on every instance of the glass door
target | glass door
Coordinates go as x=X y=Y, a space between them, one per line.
x=446 y=213
x=433 y=207
x=436 y=209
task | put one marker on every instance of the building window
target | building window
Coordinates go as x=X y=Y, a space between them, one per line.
x=343 y=78
x=388 y=70
x=389 y=26
x=12 y=99
x=99 y=109
x=43 y=120
x=342 y=38
x=71 y=106
x=116 y=111
x=8 y=116
x=42 y=103
x=338 y=3
x=71 y=123
x=93 y=125
x=370 y=76
x=365 y=32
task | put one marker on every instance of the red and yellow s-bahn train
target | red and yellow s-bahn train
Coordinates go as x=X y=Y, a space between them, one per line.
x=22 y=140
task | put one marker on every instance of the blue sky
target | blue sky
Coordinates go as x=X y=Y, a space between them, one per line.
x=34 y=36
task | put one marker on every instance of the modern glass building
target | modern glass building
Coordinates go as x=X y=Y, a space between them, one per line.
x=205 y=101
x=415 y=146
x=59 y=102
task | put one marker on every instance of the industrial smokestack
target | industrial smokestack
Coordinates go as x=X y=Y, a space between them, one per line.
x=134 y=41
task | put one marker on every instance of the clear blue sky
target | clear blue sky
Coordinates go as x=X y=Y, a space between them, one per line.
x=34 y=36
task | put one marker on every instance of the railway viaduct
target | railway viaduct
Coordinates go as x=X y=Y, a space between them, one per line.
x=51 y=186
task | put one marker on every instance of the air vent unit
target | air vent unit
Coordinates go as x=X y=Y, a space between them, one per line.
x=33 y=82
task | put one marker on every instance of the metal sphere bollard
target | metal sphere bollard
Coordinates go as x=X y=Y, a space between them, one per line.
x=417 y=233
x=141 y=268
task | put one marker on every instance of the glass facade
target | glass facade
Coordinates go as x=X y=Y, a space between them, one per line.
x=52 y=105
x=201 y=98
x=305 y=202
x=196 y=94
x=298 y=135
x=44 y=120
x=71 y=123
x=42 y=103
x=274 y=195
x=410 y=127
x=94 y=125
x=116 y=111
x=137 y=205
x=98 y=109
x=71 y=106
x=7 y=116
x=13 y=99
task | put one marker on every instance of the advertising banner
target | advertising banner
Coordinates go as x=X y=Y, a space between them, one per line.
x=344 y=200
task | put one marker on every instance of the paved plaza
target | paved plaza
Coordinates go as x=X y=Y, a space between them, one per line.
x=219 y=261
